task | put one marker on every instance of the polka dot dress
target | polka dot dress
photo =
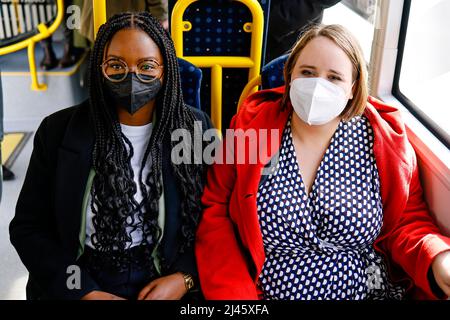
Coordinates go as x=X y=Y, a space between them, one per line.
x=320 y=246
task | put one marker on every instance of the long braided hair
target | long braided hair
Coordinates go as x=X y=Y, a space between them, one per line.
x=113 y=203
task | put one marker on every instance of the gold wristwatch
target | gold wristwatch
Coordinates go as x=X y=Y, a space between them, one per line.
x=188 y=281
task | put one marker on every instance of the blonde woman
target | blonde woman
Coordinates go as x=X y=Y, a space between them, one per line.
x=341 y=215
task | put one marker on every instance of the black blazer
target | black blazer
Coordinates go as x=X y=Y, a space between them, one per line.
x=46 y=226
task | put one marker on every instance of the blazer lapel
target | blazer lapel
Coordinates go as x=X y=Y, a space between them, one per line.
x=74 y=164
x=172 y=208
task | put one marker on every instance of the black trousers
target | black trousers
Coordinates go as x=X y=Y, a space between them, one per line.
x=127 y=283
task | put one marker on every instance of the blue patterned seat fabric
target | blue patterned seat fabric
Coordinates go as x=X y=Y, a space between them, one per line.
x=272 y=73
x=191 y=81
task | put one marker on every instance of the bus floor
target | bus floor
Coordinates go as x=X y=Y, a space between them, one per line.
x=13 y=274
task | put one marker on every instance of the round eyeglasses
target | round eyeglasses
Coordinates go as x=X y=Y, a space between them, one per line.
x=116 y=70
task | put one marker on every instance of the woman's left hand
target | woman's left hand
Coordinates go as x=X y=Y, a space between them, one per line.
x=170 y=287
x=441 y=271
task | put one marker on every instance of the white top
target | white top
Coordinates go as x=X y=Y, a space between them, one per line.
x=139 y=137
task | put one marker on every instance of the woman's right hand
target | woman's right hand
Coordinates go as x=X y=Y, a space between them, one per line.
x=101 y=295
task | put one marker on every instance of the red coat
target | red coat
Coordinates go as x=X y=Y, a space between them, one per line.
x=229 y=247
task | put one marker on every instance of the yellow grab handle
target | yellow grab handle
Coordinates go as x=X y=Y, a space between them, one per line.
x=99 y=12
x=30 y=43
x=249 y=88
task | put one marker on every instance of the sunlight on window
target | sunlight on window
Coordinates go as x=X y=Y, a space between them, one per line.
x=425 y=74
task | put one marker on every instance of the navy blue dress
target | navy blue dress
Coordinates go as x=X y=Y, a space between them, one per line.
x=320 y=246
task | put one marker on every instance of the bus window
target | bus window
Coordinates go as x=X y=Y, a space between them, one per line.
x=423 y=69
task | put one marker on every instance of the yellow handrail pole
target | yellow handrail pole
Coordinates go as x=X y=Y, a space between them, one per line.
x=99 y=12
x=16 y=11
x=177 y=32
x=257 y=29
x=35 y=85
x=225 y=62
x=216 y=96
x=44 y=32
x=249 y=87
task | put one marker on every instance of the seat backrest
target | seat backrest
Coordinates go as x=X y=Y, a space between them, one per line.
x=272 y=73
x=191 y=82
x=236 y=12
x=217 y=29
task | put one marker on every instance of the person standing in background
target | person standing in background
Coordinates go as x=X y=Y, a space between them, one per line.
x=286 y=21
x=71 y=52
x=158 y=8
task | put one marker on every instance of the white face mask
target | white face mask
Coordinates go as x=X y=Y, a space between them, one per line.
x=316 y=100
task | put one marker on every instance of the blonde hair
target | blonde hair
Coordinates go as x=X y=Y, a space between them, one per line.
x=347 y=42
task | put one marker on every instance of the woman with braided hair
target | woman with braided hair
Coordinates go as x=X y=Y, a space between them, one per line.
x=104 y=213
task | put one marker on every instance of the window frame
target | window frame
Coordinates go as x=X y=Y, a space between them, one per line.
x=429 y=123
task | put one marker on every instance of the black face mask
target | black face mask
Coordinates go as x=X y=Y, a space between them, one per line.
x=131 y=93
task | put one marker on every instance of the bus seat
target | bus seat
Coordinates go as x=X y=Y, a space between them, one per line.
x=271 y=77
x=191 y=81
x=272 y=73
x=216 y=29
